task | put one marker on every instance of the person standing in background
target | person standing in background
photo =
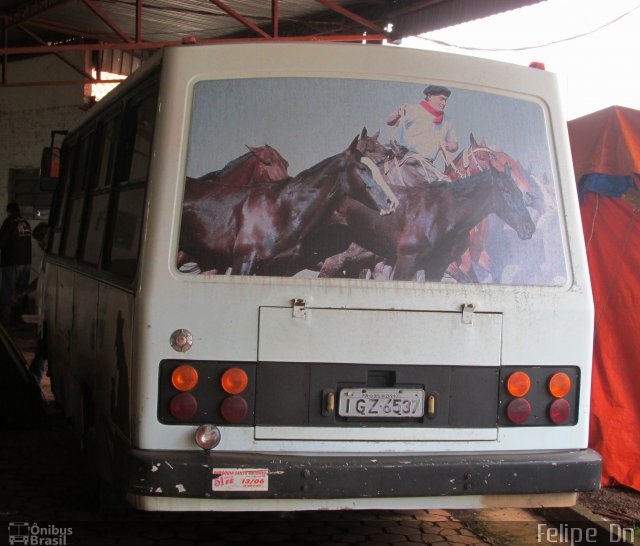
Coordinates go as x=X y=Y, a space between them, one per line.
x=15 y=260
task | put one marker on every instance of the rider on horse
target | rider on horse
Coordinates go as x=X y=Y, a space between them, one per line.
x=424 y=131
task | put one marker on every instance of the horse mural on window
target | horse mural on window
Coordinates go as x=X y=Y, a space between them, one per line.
x=430 y=227
x=399 y=173
x=245 y=228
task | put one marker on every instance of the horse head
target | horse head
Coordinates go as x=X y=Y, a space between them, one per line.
x=509 y=203
x=370 y=147
x=365 y=182
x=270 y=165
x=480 y=157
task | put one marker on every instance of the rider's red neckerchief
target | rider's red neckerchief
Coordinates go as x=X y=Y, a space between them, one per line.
x=437 y=116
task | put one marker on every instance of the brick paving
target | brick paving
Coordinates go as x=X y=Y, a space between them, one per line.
x=46 y=482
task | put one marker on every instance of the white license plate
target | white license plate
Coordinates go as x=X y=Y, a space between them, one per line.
x=398 y=403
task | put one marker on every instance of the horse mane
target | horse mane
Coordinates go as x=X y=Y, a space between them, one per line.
x=234 y=163
x=468 y=184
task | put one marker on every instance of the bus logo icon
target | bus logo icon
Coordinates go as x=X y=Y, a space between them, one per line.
x=18 y=533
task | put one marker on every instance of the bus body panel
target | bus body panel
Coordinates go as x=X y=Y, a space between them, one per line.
x=378 y=337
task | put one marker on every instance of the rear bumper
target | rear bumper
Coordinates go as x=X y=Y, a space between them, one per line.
x=190 y=474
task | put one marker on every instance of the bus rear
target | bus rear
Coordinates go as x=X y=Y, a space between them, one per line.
x=330 y=314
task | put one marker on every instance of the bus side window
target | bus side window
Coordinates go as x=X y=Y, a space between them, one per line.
x=97 y=207
x=125 y=238
x=123 y=243
x=141 y=152
x=75 y=201
x=60 y=197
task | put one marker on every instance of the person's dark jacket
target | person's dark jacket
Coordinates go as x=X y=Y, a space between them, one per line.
x=15 y=242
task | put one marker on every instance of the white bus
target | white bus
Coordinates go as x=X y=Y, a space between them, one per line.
x=269 y=287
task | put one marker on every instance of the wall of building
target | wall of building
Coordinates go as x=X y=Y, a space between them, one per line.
x=29 y=114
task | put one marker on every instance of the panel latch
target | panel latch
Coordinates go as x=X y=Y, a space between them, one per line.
x=299 y=308
x=467 y=313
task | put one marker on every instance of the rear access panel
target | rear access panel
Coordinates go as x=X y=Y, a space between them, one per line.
x=379 y=337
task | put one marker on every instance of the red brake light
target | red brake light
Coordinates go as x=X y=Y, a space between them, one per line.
x=183 y=406
x=559 y=411
x=234 y=409
x=518 y=410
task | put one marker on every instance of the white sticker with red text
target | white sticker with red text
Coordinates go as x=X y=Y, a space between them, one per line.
x=240 y=479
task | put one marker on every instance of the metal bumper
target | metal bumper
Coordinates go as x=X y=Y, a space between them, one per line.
x=190 y=474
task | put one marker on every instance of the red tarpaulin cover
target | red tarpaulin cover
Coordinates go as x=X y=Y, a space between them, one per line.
x=608 y=142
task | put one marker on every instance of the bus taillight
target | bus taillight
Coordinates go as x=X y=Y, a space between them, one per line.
x=234 y=409
x=234 y=380
x=519 y=410
x=518 y=384
x=559 y=411
x=183 y=406
x=559 y=385
x=220 y=393
x=538 y=396
x=184 y=378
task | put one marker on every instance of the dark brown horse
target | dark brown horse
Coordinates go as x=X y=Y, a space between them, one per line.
x=430 y=227
x=477 y=158
x=259 y=164
x=245 y=228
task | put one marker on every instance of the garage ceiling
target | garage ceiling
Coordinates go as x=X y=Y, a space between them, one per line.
x=34 y=27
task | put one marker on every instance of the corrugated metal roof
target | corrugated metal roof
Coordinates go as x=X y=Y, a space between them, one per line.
x=164 y=20
x=41 y=26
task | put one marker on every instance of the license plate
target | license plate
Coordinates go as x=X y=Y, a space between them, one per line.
x=394 y=403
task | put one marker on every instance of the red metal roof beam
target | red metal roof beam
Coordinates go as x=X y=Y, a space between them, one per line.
x=246 y=22
x=275 y=17
x=5 y=57
x=107 y=20
x=138 y=21
x=353 y=16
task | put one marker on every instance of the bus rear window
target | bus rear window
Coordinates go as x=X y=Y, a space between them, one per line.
x=373 y=180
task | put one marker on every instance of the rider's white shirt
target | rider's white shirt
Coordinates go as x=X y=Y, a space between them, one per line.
x=415 y=130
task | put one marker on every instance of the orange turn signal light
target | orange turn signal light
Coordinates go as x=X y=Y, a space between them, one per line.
x=184 y=378
x=234 y=380
x=559 y=385
x=518 y=384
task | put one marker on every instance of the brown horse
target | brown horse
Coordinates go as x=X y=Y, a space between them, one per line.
x=245 y=228
x=430 y=227
x=259 y=164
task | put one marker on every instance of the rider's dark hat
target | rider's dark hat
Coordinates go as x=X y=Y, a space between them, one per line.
x=437 y=90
